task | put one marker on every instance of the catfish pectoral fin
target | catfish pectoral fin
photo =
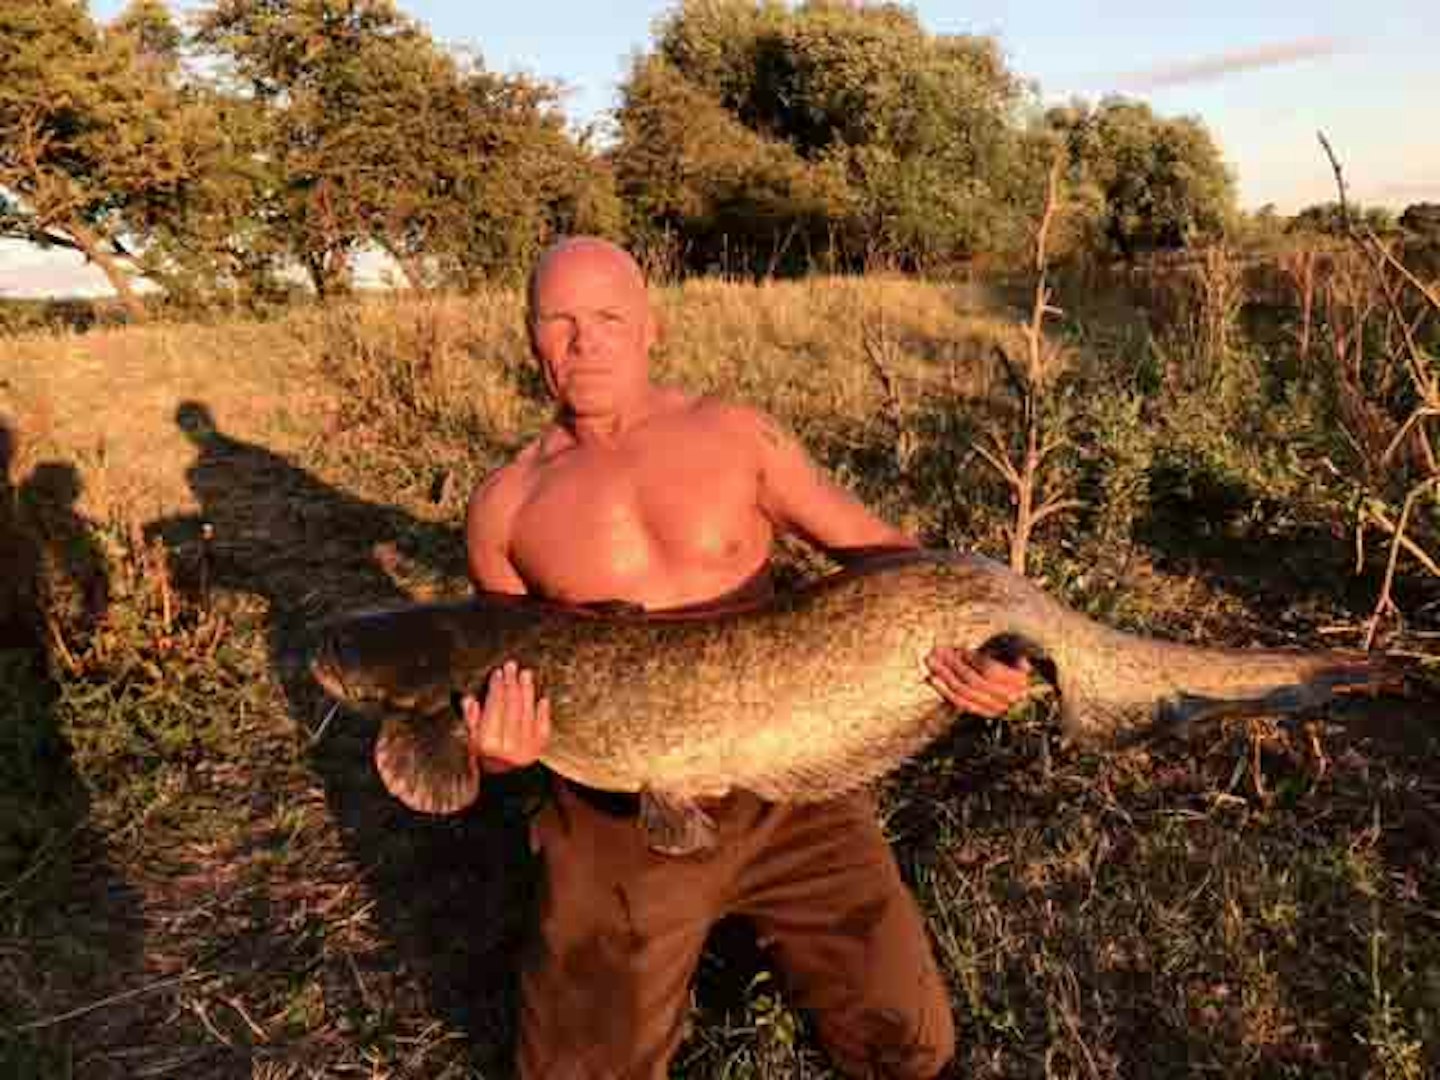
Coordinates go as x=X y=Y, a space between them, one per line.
x=675 y=824
x=426 y=762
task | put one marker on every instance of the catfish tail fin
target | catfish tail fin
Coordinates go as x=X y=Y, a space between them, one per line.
x=1121 y=687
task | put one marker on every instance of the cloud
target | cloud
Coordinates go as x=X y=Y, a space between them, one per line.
x=1217 y=67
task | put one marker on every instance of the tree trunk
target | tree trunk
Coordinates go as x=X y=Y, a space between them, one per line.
x=329 y=271
x=93 y=249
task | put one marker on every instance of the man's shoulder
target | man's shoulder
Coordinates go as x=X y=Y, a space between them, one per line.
x=500 y=491
x=736 y=419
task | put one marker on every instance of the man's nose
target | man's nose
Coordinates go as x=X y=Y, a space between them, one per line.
x=581 y=336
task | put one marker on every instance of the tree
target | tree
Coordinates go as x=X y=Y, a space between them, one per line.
x=1161 y=182
x=92 y=144
x=1421 y=225
x=830 y=126
x=339 y=81
x=376 y=135
x=218 y=241
x=690 y=171
x=488 y=177
x=1423 y=220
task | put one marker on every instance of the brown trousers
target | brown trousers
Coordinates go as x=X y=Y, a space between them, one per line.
x=621 y=930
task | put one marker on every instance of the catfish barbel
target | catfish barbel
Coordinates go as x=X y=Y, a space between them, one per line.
x=797 y=698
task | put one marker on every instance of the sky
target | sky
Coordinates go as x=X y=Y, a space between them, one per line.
x=1263 y=75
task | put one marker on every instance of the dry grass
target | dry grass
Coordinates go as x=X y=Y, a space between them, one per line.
x=206 y=879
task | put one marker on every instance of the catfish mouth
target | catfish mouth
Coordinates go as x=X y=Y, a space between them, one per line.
x=325 y=669
x=329 y=665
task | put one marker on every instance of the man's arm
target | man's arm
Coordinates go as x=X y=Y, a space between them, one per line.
x=487 y=534
x=799 y=498
x=510 y=729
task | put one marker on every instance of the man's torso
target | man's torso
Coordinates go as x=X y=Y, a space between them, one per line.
x=667 y=516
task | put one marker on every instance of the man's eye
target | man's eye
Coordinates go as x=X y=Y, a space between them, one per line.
x=610 y=316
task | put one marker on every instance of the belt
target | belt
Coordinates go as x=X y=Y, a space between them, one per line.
x=614 y=803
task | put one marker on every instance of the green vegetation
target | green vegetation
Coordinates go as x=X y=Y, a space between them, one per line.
x=1146 y=183
x=225 y=159
x=204 y=871
x=200 y=873
x=829 y=135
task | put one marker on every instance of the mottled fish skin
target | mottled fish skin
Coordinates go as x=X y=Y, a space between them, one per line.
x=797 y=698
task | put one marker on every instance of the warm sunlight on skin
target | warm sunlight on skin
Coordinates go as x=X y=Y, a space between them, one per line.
x=678 y=498
x=592 y=329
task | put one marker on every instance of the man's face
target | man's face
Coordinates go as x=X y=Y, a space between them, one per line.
x=591 y=330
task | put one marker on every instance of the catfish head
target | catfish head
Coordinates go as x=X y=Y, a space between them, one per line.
x=387 y=660
x=397 y=665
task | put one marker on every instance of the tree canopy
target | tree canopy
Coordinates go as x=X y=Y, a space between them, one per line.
x=1156 y=183
x=95 y=142
x=261 y=137
x=760 y=134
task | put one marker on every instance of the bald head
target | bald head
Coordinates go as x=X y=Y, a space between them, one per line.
x=592 y=327
x=588 y=254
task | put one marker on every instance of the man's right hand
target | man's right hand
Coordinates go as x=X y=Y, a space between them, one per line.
x=510 y=729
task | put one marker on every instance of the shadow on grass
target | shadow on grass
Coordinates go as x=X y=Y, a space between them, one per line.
x=72 y=929
x=454 y=896
x=450 y=893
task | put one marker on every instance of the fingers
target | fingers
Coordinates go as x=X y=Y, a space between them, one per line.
x=509 y=729
x=496 y=725
x=975 y=682
x=504 y=716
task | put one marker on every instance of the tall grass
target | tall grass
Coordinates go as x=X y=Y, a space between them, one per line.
x=1256 y=903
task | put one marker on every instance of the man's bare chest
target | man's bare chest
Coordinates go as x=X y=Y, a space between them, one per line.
x=625 y=517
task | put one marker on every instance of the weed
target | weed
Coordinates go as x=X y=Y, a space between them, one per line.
x=178 y=828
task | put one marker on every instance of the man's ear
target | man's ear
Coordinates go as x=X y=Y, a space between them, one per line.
x=535 y=356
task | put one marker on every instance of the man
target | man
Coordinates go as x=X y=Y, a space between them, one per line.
x=644 y=494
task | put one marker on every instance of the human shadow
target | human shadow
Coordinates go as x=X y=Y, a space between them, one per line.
x=70 y=925
x=19 y=563
x=454 y=896
x=288 y=549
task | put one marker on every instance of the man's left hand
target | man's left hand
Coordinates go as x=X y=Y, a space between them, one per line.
x=977 y=683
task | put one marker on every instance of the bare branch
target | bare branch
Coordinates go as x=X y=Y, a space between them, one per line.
x=1419 y=414
x=1052 y=200
x=1055 y=506
x=1339 y=179
x=999 y=462
x=1384 y=603
x=1424 y=290
x=1380 y=518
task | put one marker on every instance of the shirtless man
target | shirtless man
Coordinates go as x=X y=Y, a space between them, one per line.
x=645 y=494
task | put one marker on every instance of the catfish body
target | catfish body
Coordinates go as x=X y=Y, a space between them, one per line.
x=797 y=698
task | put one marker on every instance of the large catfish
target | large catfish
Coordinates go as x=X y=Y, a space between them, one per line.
x=797 y=698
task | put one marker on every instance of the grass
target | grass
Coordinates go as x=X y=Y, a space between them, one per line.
x=200 y=875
